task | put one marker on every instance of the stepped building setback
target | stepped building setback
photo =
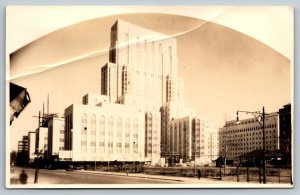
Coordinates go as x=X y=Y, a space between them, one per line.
x=141 y=98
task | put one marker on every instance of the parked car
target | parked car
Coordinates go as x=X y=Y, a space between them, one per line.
x=86 y=167
x=78 y=167
x=70 y=168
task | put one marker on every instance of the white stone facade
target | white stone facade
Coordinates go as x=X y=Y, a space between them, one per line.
x=142 y=67
x=56 y=134
x=211 y=145
x=31 y=146
x=105 y=132
x=193 y=139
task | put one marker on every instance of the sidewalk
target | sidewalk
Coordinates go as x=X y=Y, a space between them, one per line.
x=180 y=180
x=14 y=177
x=228 y=181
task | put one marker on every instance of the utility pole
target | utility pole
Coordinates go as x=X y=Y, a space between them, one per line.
x=48 y=104
x=262 y=125
x=264 y=146
x=36 y=175
x=225 y=151
x=220 y=164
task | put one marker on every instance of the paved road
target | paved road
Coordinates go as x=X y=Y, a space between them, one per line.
x=82 y=177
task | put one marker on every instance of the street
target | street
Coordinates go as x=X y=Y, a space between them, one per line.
x=83 y=177
x=62 y=177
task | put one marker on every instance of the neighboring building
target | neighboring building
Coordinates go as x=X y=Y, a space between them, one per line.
x=171 y=111
x=211 y=144
x=152 y=137
x=31 y=146
x=186 y=138
x=23 y=144
x=22 y=153
x=56 y=134
x=193 y=140
x=41 y=142
x=105 y=131
x=285 y=129
x=238 y=138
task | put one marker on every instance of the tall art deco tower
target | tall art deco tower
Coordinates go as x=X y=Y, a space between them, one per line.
x=142 y=68
x=140 y=114
x=142 y=72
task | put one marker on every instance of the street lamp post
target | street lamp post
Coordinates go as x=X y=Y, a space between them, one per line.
x=38 y=155
x=262 y=125
x=225 y=159
x=36 y=175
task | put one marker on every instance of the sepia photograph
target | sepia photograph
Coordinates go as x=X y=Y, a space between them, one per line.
x=149 y=97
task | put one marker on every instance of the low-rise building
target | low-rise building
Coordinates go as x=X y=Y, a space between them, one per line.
x=192 y=139
x=104 y=131
x=42 y=139
x=56 y=134
x=238 y=138
x=31 y=146
x=211 y=144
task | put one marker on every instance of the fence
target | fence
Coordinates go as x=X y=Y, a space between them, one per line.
x=241 y=174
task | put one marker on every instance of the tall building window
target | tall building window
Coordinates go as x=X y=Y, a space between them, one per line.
x=148 y=135
x=127 y=136
x=199 y=139
x=181 y=146
x=161 y=58
x=102 y=134
x=83 y=132
x=110 y=134
x=185 y=141
x=171 y=139
x=135 y=136
x=175 y=138
x=119 y=135
x=71 y=121
x=93 y=134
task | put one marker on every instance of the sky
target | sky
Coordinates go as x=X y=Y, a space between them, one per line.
x=238 y=61
x=24 y=26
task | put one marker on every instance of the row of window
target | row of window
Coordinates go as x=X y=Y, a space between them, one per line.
x=109 y=144
x=248 y=129
x=249 y=134
x=110 y=120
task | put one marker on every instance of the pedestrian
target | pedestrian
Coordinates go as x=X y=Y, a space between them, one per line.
x=127 y=172
x=23 y=177
x=199 y=174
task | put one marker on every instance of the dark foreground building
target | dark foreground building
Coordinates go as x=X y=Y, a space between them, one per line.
x=285 y=128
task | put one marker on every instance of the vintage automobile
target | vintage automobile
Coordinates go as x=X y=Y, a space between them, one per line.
x=70 y=168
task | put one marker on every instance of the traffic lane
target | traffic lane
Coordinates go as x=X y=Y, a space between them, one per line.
x=81 y=177
x=78 y=177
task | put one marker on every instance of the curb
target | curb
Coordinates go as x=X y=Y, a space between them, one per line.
x=138 y=176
